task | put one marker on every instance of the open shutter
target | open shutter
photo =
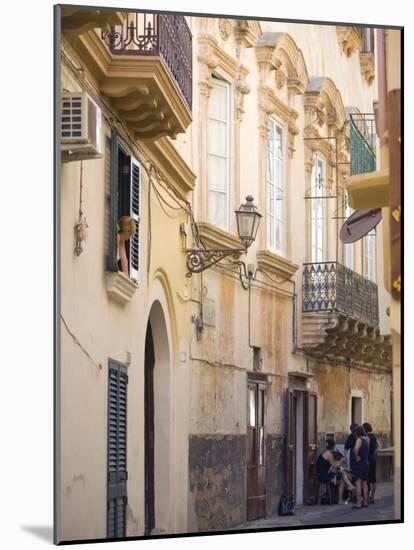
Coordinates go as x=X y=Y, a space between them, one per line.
x=117 y=450
x=112 y=203
x=135 y=203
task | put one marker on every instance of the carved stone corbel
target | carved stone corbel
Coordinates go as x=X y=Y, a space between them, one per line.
x=367 y=62
x=349 y=40
x=242 y=89
x=225 y=28
x=208 y=62
x=280 y=79
x=293 y=131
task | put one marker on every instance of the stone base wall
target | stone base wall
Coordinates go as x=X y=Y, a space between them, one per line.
x=217 y=471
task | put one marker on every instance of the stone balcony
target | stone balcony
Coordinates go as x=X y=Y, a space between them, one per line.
x=142 y=64
x=340 y=316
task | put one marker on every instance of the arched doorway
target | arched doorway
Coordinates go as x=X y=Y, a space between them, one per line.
x=157 y=379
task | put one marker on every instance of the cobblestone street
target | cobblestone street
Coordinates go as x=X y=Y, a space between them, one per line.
x=381 y=510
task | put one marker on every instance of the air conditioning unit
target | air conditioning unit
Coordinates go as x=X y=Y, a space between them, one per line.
x=80 y=127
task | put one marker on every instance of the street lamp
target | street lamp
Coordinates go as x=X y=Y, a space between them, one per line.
x=248 y=219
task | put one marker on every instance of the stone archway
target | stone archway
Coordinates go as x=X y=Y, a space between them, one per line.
x=157 y=421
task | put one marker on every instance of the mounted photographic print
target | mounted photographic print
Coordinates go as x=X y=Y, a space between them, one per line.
x=228 y=274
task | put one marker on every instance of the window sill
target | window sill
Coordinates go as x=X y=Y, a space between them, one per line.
x=269 y=261
x=214 y=237
x=120 y=287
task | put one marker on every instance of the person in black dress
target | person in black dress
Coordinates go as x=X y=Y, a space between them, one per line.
x=360 y=466
x=372 y=472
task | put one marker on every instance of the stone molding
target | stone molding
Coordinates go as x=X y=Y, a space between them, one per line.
x=215 y=237
x=120 y=287
x=274 y=263
x=247 y=31
x=174 y=168
x=349 y=40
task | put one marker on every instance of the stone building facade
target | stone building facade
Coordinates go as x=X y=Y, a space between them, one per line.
x=191 y=401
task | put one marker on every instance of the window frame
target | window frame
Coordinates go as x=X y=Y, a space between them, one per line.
x=117 y=147
x=314 y=257
x=219 y=80
x=271 y=211
x=370 y=238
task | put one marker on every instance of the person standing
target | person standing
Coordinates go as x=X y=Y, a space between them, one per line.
x=350 y=442
x=360 y=467
x=372 y=459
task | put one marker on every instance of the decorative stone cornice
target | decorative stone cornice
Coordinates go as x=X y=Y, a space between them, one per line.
x=213 y=56
x=214 y=237
x=323 y=105
x=247 y=31
x=367 y=62
x=349 y=39
x=120 y=287
x=271 y=262
x=166 y=157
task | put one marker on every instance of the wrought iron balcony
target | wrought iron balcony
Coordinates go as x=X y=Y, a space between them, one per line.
x=166 y=36
x=332 y=287
x=362 y=135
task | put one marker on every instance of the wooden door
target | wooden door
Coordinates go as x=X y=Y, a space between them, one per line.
x=310 y=445
x=256 y=491
x=291 y=443
x=149 y=432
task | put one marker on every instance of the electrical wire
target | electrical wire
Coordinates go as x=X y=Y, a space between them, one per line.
x=75 y=339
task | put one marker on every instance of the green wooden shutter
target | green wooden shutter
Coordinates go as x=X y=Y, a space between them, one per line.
x=111 y=263
x=117 y=450
x=135 y=204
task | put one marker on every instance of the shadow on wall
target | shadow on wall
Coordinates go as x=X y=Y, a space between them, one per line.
x=44 y=532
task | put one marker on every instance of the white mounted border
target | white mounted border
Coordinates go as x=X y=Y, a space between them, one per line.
x=120 y=287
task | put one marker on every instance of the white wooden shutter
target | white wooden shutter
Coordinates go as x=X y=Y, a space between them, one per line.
x=135 y=202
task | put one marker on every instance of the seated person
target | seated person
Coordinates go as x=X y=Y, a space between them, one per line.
x=329 y=469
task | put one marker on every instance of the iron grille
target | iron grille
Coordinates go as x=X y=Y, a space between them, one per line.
x=167 y=36
x=330 y=286
x=362 y=134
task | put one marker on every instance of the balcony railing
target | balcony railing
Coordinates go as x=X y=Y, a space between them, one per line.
x=367 y=36
x=167 y=36
x=362 y=135
x=332 y=287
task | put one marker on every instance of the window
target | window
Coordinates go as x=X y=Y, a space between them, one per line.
x=370 y=263
x=318 y=221
x=122 y=187
x=129 y=204
x=219 y=154
x=348 y=249
x=356 y=410
x=257 y=358
x=276 y=226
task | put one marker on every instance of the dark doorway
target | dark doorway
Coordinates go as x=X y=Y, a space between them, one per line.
x=301 y=445
x=256 y=493
x=149 y=432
